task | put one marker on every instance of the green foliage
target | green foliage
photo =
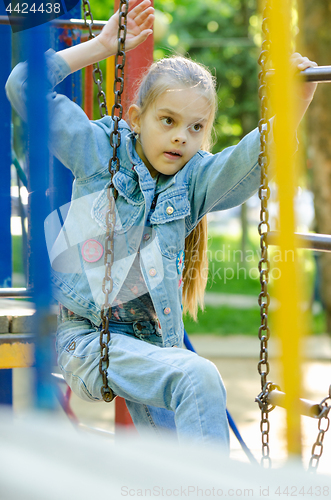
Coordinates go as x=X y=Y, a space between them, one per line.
x=221 y=35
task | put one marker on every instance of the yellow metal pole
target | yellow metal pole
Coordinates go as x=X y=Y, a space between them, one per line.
x=288 y=316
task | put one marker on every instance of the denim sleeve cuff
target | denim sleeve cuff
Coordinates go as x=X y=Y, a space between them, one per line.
x=57 y=68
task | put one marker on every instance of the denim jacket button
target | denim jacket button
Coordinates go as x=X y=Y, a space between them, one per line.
x=167 y=310
x=146 y=236
x=92 y=251
x=169 y=210
x=152 y=272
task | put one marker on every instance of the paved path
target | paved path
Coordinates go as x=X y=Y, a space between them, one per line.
x=231 y=300
x=317 y=347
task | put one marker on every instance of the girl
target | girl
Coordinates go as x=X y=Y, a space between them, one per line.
x=166 y=185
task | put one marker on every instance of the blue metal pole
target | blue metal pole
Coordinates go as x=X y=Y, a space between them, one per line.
x=5 y=157
x=37 y=42
x=5 y=200
x=62 y=178
x=49 y=189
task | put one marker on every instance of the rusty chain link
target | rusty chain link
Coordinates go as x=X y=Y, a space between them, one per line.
x=266 y=408
x=113 y=167
x=97 y=73
x=115 y=136
x=317 y=448
x=264 y=228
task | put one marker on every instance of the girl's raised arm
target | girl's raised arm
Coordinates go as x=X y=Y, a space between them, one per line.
x=139 y=26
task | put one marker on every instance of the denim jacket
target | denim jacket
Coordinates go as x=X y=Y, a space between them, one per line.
x=153 y=216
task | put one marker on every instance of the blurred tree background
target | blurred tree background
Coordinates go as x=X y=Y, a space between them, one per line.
x=316 y=37
x=223 y=35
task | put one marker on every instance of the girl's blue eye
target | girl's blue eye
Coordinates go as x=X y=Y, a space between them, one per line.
x=167 y=121
x=197 y=127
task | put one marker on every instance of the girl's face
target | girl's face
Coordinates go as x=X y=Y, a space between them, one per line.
x=171 y=130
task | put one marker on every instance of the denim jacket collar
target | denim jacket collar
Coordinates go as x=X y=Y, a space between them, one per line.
x=137 y=165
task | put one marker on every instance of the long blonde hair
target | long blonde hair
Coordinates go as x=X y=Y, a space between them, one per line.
x=161 y=76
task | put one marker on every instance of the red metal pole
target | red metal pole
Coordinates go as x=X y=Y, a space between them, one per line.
x=137 y=62
x=88 y=103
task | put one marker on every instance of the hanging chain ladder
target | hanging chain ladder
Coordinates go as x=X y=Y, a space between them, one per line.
x=264 y=228
x=113 y=167
x=264 y=268
x=97 y=73
x=323 y=426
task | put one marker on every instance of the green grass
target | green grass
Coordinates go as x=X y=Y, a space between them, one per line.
x=225 y=320
x=17 y=261
x=233 y=271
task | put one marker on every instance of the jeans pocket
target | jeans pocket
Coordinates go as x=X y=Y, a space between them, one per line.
x=78 y=360
x=147 y=331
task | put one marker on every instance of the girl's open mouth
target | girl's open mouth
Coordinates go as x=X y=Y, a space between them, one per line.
x=173 y=154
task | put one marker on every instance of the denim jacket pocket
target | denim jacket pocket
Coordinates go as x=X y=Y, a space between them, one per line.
x=127 y=211
x=169 y=222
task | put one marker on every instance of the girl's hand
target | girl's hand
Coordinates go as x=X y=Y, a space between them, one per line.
x=139 y=23
x=301 y=63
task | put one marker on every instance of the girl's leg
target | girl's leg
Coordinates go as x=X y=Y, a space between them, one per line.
x=173 y=379
x=74 y=347
x=150 y=417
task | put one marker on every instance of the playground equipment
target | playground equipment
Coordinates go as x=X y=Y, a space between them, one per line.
x=276 y=47
x=268 y=395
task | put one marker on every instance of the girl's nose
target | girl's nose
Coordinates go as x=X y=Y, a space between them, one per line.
x=180 y=136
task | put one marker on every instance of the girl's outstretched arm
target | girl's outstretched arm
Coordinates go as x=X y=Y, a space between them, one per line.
x=139 y=26
x=301 y=63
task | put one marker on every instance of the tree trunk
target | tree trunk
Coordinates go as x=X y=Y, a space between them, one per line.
x=316 y=34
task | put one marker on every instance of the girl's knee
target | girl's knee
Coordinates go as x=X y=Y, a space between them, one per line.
x=205 y=375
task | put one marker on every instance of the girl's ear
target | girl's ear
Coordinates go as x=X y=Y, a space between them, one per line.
x=134 y=117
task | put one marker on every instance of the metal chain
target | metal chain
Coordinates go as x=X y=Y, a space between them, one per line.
x=113 y=167
x=264 y=268
x=264 y=228
x=97 y=73
x=317 y=448
x=115 y=136
x=266 y=408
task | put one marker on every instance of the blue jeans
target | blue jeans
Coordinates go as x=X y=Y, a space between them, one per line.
x=164 y=388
